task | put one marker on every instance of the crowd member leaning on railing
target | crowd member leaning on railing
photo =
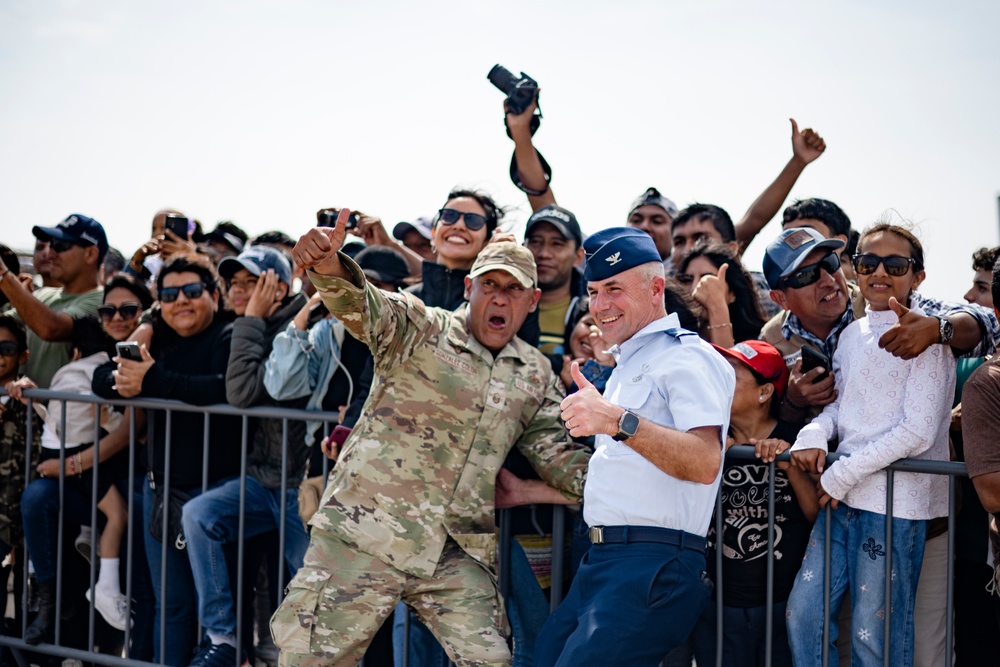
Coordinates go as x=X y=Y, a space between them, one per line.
x=13 y=432
x=259 y=282
x=185 y=360
x=886 y=408
x=72 y=440
x=761 y=378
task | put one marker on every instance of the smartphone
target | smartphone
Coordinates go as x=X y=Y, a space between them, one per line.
x=177 y=224
x=811 y=359
x=129 y=350
x=328 y=218
x=339 y=434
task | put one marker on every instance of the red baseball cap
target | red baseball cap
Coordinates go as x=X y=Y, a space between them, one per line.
x=762 y=358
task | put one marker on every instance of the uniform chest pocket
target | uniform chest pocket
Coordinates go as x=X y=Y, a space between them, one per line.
x=633 y=396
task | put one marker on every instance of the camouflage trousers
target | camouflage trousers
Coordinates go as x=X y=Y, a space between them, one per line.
x=341 y=596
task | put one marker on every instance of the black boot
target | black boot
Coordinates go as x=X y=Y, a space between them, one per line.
x=44 y=625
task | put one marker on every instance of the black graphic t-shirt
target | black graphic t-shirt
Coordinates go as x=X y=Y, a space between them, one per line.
x=744 y=531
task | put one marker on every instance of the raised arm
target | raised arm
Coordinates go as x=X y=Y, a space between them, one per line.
x=47 y=323
x=528 y=162
x=807 y=145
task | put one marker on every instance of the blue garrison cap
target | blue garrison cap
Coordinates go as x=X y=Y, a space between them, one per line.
x=611 y=251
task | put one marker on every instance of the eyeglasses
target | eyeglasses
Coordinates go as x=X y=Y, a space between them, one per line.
x=807 y=275
x=126 y=310
x=895 y=265
x=191 y=291
x=9 y=349
x=473 y=221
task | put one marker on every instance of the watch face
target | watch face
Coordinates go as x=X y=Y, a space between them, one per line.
x=629 y=423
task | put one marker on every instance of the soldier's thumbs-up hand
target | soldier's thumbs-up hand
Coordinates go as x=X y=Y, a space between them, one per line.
x=317 y=248
x=586 y=412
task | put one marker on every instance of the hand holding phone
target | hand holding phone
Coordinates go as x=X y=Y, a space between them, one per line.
x=178 y=225
x=129 y=350
x=811 y=359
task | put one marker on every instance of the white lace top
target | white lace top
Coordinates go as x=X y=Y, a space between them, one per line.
x=887 y=408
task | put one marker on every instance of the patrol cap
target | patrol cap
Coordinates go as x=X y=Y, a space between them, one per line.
x=560 y=218
x=785 y=254
x=507 y=256
x=77 y=228
x=258 y=259
x=652 y=196
x=611 y=251
x=763 y=359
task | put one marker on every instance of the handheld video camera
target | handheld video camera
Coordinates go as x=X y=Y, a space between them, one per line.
x=520 y=92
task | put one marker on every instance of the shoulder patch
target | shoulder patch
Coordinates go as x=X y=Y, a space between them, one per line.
x=677 y=332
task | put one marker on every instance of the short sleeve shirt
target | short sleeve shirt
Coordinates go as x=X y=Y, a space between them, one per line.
x=673 y=378
x=48 y=357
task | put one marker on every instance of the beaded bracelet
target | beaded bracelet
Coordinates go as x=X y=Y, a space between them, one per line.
x=719 y=326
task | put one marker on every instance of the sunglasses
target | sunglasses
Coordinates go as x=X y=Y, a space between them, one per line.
x=895 y=265
x=126 y=310
x=191 y=291
x=807 y=275
x=9 y=349
x=473 y=221
x=61 y=246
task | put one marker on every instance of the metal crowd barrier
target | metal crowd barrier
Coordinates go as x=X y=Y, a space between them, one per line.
x=20 y=648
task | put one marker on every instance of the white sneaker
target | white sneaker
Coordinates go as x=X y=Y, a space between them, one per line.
x=113 y=608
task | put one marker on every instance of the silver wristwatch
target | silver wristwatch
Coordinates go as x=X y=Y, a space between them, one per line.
x=946 y=330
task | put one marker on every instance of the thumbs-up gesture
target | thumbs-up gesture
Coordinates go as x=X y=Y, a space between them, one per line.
x=807 y=145
x=587 y=412
x=911 y=335
x=712 y=292
x=317 y=248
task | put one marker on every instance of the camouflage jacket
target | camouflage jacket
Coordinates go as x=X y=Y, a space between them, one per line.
x=13 y=430
x=420 y=466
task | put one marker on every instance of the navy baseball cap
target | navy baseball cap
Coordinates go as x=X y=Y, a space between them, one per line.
x=258 y=259
x=786 y=253
x=611 y=251
x=560 y=218
x=77 y=228
x=652 y=196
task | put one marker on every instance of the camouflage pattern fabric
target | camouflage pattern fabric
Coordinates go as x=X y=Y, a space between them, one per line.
x=13 y=430
x=412 y=492
x=341 y=596
x=421 y=463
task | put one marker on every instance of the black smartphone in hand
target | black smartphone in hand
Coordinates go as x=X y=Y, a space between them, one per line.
x=177 y=224
x=811 y=359
x=129 y=350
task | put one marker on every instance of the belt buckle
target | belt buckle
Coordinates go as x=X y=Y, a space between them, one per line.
x=597 y=534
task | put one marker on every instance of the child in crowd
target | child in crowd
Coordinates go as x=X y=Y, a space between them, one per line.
x=887 y=408
x=78 y=430
x=13 y=427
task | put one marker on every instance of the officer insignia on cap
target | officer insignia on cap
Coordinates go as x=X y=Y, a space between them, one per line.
x=614 y=259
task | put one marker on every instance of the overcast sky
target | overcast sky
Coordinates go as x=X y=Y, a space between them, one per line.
x=263 y=111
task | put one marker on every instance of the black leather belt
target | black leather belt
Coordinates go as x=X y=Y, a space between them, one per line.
x=629 y=534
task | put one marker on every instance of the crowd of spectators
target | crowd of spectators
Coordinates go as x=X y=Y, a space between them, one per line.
x=832 y=345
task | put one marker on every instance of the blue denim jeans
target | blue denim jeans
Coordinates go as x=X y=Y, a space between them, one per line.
x=857 y=563
x=40 y=512
x=178 y=598
x=212 y=519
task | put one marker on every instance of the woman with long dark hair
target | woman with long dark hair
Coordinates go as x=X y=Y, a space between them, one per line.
x=727 y=295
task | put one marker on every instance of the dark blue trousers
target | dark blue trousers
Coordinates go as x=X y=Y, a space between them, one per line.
x=630 y=604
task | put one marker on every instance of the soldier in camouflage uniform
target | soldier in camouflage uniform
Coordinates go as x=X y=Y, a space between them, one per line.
x=13 y=430
x=408 y=512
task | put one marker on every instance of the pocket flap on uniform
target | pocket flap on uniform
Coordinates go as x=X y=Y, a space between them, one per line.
x=481 y=546
x=292 y=625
